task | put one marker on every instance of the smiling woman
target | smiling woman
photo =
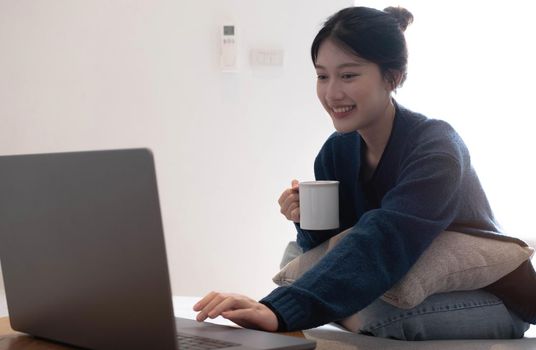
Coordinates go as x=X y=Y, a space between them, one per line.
x=404 y=179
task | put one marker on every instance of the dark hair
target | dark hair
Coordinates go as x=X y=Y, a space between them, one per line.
x=377 y=36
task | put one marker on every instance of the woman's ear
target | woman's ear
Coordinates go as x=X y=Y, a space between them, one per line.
x=392 y=79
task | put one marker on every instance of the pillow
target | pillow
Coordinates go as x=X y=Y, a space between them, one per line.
x=453 y=261
x=456 y=261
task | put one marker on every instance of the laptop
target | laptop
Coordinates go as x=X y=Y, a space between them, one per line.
x=84 y=260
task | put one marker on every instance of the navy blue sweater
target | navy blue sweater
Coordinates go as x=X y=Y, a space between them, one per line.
x=423 y=185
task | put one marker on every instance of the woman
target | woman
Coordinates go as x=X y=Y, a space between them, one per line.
x=403 y=180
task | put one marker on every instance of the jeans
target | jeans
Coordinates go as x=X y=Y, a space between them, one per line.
x=473 y=314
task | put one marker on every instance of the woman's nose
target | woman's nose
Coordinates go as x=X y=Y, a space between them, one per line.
x=334 y=91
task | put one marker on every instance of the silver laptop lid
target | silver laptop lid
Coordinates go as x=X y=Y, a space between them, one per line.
x=98 y=211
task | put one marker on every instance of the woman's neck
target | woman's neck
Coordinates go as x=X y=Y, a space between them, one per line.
x=376 y=135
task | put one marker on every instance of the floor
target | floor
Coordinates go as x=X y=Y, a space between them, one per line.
x=331 y=341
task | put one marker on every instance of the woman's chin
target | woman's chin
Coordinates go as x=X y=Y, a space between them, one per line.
x=344 y=128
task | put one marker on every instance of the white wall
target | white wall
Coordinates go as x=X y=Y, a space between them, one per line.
x=104 y=74
x=471 y=64
x=111 y=74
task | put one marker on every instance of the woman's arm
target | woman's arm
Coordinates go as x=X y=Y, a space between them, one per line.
x=380 y=248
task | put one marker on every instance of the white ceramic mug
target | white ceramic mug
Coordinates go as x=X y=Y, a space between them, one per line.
x=319 y=205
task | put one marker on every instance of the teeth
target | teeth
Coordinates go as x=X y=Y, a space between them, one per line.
x=342 y=109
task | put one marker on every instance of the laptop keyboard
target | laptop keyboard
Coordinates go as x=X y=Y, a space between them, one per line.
x=192 y=342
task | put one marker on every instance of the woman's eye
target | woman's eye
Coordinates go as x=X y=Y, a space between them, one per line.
x=321 y=77
x=349 y=76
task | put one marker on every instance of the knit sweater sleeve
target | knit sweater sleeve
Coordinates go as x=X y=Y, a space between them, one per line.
x=380 y=248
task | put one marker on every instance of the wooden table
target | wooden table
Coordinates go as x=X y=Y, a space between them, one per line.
x=12 y=340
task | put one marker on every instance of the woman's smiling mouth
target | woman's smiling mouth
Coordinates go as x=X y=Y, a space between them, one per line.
x=341 y=112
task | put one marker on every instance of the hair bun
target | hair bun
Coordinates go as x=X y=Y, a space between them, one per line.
x=402 y=16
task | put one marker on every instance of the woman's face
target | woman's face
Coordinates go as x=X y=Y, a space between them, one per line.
x=351 y=89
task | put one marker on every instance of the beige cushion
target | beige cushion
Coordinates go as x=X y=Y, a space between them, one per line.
x=454 y=261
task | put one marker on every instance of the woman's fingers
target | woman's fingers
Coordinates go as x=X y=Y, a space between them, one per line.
x=294 y=189
x=232 y=302
x=240 y=309
x=214 y=301
x=291 y=199
x=295 y=214
x=284 y=196
x=226 y=304
x=200 y=305
x=286 y=193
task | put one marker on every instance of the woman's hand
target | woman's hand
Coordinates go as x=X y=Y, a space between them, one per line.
x=240 y=309
x=290 y=202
